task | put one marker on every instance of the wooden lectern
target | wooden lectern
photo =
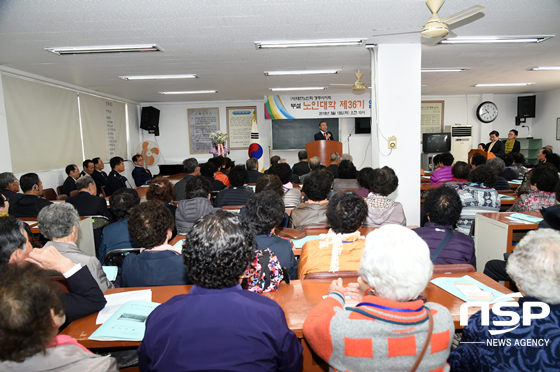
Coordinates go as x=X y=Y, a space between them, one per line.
x=487 y=155
x=323 y=150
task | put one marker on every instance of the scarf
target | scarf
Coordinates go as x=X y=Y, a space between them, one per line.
x=509 y=146
x=336 y=241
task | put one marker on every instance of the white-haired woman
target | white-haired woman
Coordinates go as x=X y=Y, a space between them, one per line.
x=59 y=222
x=534 y=266
x=388 y=329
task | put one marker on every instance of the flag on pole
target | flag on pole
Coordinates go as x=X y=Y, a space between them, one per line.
x=255 y=148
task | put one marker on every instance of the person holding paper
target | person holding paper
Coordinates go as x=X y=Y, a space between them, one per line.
x=534 y=268
x=30 y=316
x=392 y=326
x=218 y=326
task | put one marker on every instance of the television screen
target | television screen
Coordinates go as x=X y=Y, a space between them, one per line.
x=362 y=125
x=436 y=142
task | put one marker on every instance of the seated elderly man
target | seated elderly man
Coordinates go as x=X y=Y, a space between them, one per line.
x=389 y=329
x=31 y=201
x=69 y=184
x=443 y=208
x=86 y=201
x=9 y=186
x=316 y=187
x=341 y=249
x=191 y=168
x=59 y=223
x=85 y=297
x=151 y=225
x=218 y=326
x=30 y=316
x=252 y=165
x=534 y=268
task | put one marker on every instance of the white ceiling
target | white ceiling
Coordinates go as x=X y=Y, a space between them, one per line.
x=215 y=40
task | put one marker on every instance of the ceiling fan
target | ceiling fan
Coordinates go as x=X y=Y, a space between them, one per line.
x=438 y=28
x=358 y=84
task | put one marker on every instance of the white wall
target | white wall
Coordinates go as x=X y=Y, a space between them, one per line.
x=544 y=124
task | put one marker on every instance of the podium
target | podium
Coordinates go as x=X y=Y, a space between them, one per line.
x=487 y=155
x=323 y=150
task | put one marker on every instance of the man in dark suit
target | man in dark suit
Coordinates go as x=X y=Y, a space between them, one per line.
x=9 y=185
x=89 y=168
x=252 y=164
x=495 y=145
x=70 y=181
x=324 y=134
x=140 y=174
x=31 y=202
x=98 y=175
x=86 y=202
x=335 y=160
x=115 y=181
x=302 y=167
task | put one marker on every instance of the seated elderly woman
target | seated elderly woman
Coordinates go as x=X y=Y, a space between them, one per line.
x=162 y=189
x=31 y=313
x=341 y=249
x=116 y=236
x=346 y=176
x=59 y=223
x=198 y=191
x=236 y=194
x=381 y=209
x=292 y=196
x=544 y=178
x=150 y=224
x=265 y=211
x=534 y=268
x=316 y=187
x=479 y=196
x=387 y=330
x=443 y=208
x=363 y=177
x=218 y=326
x=460 y=171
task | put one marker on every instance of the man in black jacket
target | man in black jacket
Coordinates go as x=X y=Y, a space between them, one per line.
x=115 y=181
x=495 y=145
x=31 y=201
x=70 y=182
x=324 y=134
x=98 y=175
x=9 y=185
x=302 y=167
x=140 y=174
x=86 y=202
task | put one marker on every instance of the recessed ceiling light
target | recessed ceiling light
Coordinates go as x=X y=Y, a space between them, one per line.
x=456 y=69
x=495 y=39
x=296 y=88
x=158 y=77
x=308 y=43
x=191 y=92
x=104 y=49
x=545 y=68
x=301 y=72
x=504 y=85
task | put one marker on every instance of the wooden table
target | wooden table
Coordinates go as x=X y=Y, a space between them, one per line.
x=297 y=299
x=494 y=234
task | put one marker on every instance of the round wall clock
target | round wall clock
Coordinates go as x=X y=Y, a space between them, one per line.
x=487 y=112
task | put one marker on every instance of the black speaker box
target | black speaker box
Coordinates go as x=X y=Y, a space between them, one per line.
x=526 y=106
x=149 y=120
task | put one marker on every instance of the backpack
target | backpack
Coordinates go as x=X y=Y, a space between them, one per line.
x=264 y=274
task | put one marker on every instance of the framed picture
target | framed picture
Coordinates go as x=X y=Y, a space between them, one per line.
x=432 y=117
x=558 y=128
x=239 y=126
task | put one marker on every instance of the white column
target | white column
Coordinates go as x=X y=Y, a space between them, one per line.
x=397 y=112
x=5 y=156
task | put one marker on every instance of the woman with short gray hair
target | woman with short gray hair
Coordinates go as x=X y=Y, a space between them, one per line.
x=534 y=266
x=59 y=223
x=391 y=328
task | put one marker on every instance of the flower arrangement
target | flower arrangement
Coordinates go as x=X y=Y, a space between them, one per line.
x=218 y=139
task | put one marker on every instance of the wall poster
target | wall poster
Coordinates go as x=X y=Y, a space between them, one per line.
x=432 y=117
x=239 y=126
x=202 y=122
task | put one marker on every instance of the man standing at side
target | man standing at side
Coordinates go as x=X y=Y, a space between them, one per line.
x=9 y=185
x=324 y=134
x=140 y=174
x=115 y=181
x=191 y=168
x=495 y=146
x=70 y=182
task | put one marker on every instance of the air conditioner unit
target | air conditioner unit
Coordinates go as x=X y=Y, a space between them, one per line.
x=461 y=141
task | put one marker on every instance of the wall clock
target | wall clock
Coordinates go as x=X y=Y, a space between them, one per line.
x=487 y=112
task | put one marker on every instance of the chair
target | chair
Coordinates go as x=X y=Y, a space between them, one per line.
x=103 y=191
x=99 y=221
x=62 y=197
x=311 y=227
x=59 y=190
x=74 y=192
x=457 y=268
x=49 y=194
x=213 y=196
x=329 y=275
x=116 y=256
x=232 y=208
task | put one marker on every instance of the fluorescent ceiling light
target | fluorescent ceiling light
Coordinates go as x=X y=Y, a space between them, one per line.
x=158 y=77
x=422 y=86
x=504 y=85
x=308 y=43
x=545 y=68
x=495 y=39
x=301 y=72
x=104 y=49
x=456 y=69
x=300 y=88
x=191 y=92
